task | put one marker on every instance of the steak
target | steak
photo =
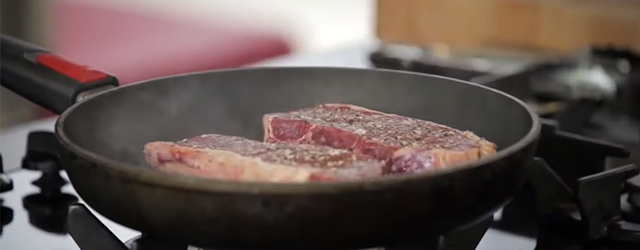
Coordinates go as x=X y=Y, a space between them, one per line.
x=237 y=158
x=409 y=145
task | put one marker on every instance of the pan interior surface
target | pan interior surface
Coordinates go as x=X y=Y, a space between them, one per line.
x=115 y=125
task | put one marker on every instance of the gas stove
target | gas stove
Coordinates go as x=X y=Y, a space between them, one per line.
x=575 y=198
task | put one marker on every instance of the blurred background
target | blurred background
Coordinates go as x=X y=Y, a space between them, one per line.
x=143 y=39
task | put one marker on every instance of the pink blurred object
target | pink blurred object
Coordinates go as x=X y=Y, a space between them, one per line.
x=135 y=46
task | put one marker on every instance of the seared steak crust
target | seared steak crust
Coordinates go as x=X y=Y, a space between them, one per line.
x=410 y=145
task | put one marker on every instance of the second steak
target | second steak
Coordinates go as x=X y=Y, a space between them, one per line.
x=237 y=158
x=410 y=145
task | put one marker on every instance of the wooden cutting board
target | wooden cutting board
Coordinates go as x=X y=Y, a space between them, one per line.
x=549 y=25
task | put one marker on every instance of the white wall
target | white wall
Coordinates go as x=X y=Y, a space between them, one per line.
x=315 y=25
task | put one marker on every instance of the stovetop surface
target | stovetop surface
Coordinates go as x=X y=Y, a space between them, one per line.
x=20 y=233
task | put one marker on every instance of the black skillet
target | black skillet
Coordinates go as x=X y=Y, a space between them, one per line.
x=103 y=128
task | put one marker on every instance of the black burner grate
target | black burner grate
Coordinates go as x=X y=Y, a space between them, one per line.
x=89 y=233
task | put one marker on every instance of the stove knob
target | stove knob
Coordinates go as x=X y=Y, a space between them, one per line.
x=5 y=183
x=42 y=152
x=7 y=216
x=49 y=213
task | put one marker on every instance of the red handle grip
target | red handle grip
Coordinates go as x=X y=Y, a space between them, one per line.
x=81 y=73
x=45 y=78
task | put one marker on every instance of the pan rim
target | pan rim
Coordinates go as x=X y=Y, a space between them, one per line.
x=153 y=177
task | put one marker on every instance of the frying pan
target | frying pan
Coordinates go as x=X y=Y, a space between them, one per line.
x=103 y=129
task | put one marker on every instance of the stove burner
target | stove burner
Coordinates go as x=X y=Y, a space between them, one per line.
x=48 y=208
x=591 y=213
x=592 y=220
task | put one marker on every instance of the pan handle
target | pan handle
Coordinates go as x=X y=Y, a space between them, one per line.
x=47 y=79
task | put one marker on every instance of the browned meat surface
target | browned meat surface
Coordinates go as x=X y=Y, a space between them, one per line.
x=236 y=158
x=410 y=145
